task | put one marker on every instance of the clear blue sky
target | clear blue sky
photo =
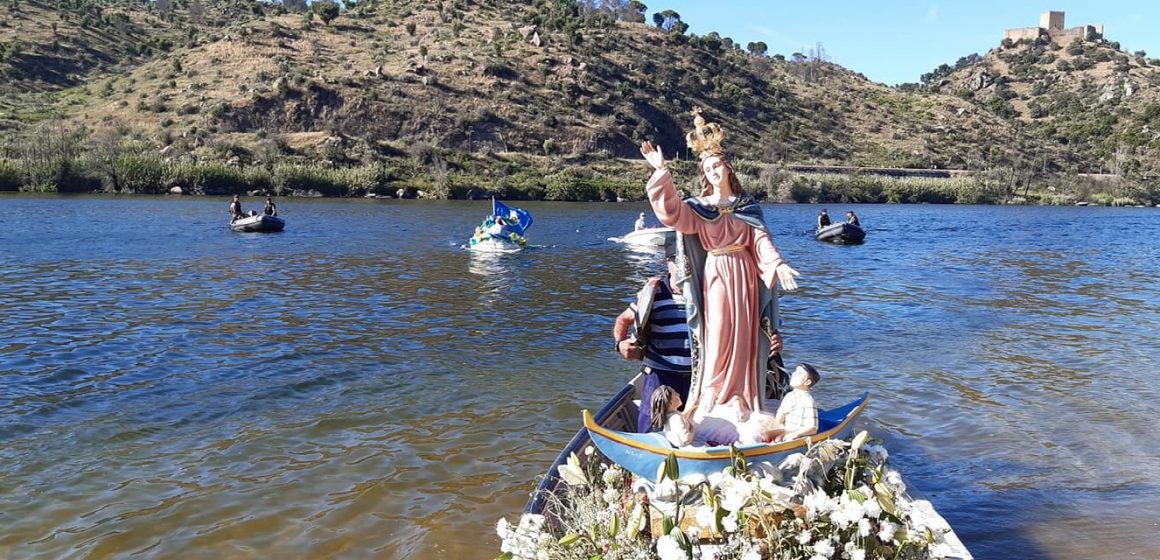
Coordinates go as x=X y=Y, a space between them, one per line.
x=896 y=41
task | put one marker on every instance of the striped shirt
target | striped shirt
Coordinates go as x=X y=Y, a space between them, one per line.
x=667 y=335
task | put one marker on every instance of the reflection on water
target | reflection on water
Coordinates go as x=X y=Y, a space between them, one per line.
x=361 y=386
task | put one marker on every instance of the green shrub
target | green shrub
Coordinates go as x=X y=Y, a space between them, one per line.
x=10 y=179
x=141 y=174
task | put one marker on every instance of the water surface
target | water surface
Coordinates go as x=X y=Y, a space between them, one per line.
x=359 y=386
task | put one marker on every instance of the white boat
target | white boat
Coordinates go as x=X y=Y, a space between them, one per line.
x=259 y=222
x=494 y=245
x=652 y=238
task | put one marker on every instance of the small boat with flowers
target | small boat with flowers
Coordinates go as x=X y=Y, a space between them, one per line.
x=502 y=231
x=610 y=429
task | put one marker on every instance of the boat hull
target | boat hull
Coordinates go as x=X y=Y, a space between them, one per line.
x=495 y=245
x=841 y=233
x=259 y=223
x=642 y=454
x=650 y=237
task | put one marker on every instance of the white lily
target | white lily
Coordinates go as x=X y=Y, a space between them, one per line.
x=572 y=473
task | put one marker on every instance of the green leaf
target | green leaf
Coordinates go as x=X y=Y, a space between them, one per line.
x=612 y=531
x=504 y=556
x=569 y=539
x=667 y=524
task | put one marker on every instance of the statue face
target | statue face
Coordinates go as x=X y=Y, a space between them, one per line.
x=716 y=171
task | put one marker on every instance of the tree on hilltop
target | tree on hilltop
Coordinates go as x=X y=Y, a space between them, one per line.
x=758 y=48
x=327 y=10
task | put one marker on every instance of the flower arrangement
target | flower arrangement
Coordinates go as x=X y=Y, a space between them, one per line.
x=838 y=500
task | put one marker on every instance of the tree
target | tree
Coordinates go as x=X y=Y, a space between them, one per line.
x=668 y=20
x=758 y=48
x=327 y=10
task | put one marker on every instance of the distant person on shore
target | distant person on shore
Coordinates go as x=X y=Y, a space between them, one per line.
x=236 y=210
x=852 y=219
x=271 y=208
x=823 y=219
x=639 y=225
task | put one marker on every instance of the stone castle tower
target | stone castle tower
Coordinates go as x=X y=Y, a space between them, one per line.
x=1051 y=26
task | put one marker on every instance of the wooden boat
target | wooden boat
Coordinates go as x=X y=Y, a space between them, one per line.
x=841 y=232
x=642 y=454
x=619 y=414
x=649 y=238
x=611 y=429
x=259 y=222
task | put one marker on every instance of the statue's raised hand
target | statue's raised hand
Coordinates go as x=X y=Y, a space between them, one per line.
x=652 y=155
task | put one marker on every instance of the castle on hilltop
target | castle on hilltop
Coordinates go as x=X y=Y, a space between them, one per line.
x=1051 y=27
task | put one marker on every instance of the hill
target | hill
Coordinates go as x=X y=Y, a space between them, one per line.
x=437 y=95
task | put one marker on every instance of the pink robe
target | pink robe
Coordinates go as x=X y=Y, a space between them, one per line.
x=730 y=301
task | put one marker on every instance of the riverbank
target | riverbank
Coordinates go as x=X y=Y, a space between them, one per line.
x=440 y=174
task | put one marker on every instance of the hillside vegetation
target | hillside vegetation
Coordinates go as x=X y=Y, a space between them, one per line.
x=538 y=99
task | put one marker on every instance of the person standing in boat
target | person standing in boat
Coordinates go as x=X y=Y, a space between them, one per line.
x=658 y=317
x=823 y=219
x=236 y=209
x=852 y=219
x=733 y=268
x=639 y=225
x=271 y=208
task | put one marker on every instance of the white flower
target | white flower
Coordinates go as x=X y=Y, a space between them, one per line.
x=877 y=453
x=751 y=554
x=824 y=548
x=666 y=491
x=707 y=518
x=894 y=481
x=613 y=475
x=804 y=538
x=669 y=549
x=589 y=450
x=817 y=503
x=729 y=523
x=736 y=494
x=611 y=496
x=857 y=554
x=792 y=462
x=501 y=527
x=886 y=532
x=572 y=473
x=871 y=507
x=849 y=511
x=693 y=480
x=717 y=478
x=864 y=527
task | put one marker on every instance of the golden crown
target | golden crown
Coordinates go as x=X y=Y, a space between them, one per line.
x=706 y=138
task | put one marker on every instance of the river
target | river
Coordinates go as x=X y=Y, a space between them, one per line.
x=359 y=386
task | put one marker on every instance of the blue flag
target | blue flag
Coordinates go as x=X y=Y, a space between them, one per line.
x=518 y=219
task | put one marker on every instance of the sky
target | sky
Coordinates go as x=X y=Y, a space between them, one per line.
x=896 y=41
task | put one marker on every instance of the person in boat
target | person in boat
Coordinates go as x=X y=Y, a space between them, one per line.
x=271 y=209
x=823 y=219
x=661 y=341
x=236 y=209
x=665 y=406
x=639 y=225
x=731 y=266
x=499 y=228
x=852 y=219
